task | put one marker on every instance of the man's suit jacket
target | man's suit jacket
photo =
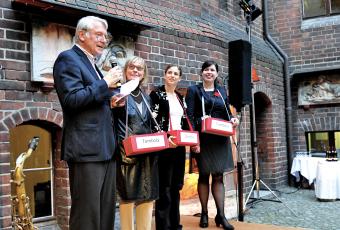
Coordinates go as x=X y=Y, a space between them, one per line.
x=88 y=133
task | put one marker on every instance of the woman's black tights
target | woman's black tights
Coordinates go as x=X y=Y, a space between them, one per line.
x=217 y=189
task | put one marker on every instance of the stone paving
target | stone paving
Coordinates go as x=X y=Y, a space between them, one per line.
x=311 y=213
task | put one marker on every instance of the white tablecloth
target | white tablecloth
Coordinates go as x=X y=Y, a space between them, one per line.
x=306 y=166
x=327 y=183
x=326 y=175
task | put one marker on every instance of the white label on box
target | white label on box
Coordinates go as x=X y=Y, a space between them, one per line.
x=222 y=125
x=188 y=137
x=150 y=141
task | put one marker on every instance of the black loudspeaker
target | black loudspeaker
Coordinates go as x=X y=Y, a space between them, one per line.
x=239 y=73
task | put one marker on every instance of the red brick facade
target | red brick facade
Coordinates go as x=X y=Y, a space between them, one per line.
x=313 y=48
x=163 y=32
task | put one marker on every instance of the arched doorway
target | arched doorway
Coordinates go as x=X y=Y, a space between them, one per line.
x=264 y=137
x=38 y=168
x=41 y=169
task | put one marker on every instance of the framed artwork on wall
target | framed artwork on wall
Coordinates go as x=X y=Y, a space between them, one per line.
x=324 y=89
x=47 y=41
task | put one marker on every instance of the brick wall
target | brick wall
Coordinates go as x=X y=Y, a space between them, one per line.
x=22 y=100
x=228 y=11
x=313 y=47
x=310 y=44
x=311 y=118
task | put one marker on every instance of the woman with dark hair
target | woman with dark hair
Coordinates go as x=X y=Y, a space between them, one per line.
x=168 y=106
x=213 y=155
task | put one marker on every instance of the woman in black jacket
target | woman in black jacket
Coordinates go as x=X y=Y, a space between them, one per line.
x=168 y=106
x=137 y=177
x=213 y=155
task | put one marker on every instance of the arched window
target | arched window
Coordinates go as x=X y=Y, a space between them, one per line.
x=38 y=168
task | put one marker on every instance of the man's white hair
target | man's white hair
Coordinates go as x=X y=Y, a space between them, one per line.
x=87 y=23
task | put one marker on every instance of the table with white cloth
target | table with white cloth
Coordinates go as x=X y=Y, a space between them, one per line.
x=325 y=174
x=306 y=166
x=327 y=182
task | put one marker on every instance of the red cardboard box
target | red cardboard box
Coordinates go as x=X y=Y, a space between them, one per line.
x=184 y=137
x=217 y=126
x=145 y=143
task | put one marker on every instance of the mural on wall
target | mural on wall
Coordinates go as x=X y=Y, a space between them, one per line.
x=49 y=39
x=323 y=90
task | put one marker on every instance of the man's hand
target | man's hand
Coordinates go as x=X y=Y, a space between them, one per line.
x=117 y=101
x=114 y=76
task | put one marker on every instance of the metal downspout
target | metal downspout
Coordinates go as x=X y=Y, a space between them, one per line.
x=288 y=100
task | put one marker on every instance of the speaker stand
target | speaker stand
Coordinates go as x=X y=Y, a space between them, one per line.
x=240 y=177
x=258 y=180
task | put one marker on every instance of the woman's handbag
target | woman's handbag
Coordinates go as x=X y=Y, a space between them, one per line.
x=144 y=143
x=215 y=125
x=183 y=137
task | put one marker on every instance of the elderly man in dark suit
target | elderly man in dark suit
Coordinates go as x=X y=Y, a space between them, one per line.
x=88 y=140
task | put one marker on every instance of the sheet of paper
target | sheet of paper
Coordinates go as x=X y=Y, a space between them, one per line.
x=128 y=87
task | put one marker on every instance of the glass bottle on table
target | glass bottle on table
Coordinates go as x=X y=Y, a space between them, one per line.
x=328 y=154
x=335 y=158
x=331 y=155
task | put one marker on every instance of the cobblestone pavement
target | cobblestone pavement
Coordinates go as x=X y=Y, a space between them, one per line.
x=311 y=213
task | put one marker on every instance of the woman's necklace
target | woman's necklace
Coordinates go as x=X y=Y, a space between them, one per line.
x=135 y=95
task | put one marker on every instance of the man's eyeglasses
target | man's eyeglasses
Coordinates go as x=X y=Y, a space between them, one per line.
x=132 y=67
x=101 y=37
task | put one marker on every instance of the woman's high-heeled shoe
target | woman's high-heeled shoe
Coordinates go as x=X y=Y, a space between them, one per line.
x=204 y=221
x=221 y=220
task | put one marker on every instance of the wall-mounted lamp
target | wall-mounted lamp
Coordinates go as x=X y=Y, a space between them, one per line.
x=249 y=9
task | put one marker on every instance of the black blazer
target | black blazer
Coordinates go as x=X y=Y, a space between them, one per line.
x=88 y=133
x=213 y=105
x=160 y=106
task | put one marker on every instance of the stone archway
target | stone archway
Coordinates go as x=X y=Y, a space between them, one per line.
x=50 y=120
x=28 y=114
